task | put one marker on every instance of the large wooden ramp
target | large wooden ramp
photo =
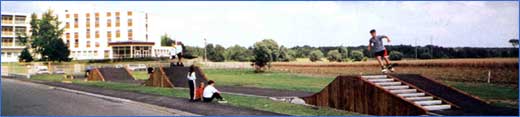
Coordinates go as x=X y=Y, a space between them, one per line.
x=357 y=94
x=467 y=104
x=111 y=75
x=173 y=77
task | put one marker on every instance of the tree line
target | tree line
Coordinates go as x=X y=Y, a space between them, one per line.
x=270 y=49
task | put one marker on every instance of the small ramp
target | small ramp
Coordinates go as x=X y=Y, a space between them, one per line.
x=173 y=77
x=467 y=104
x=111 y=75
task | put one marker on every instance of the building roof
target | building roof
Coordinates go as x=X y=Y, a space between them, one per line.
x=119 y=43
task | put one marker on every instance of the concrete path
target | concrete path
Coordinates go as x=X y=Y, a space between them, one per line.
x=28 y=99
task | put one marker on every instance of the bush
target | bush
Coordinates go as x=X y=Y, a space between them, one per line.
x=315 y=55
x=25 y=56
x=396 y=55
x=357 y=55
x=334 y=56
x=425 y=56
x=365 y=59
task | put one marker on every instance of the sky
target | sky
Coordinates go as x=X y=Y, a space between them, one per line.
x=314 y=23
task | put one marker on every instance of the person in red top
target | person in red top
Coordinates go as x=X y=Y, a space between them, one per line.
x=198 y=92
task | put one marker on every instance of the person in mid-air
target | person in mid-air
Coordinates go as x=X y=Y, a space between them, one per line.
x=376 y=46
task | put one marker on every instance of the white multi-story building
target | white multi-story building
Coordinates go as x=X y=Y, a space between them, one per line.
x=106 y=34
x=13 y=24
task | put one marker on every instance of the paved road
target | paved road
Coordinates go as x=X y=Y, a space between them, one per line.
x=23 y=98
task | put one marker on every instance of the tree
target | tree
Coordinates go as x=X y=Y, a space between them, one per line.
x=25 y=56
x=395 y=55
x=166 y=40
x=514 y=42
x=284 y=55
x=238 y=53
x=265 y=51
x=357 y=55
x=215 y=53
x=315 y=55
x=425 y=56
x=344 y=52
x=47 y=37
x=334 y=56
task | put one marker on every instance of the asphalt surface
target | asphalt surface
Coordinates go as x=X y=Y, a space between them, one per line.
x=23 y=98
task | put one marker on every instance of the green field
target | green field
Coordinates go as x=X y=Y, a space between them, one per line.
x=275 y=80
x=259 y=103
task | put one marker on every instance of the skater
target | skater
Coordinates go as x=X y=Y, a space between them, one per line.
x=198 y=92
x=180 y=53
x=210 y=92
x=191 y=82
x=173 y=54
x=376 y=45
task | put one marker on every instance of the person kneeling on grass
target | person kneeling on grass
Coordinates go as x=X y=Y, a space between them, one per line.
x=211 y=92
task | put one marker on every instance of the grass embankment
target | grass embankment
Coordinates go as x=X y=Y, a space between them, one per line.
x=258 y=103
x=496 y=94
x=274 y=80
x=140 y=75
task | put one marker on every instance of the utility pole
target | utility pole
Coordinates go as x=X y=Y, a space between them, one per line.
x=416 y=48
x=205 y=50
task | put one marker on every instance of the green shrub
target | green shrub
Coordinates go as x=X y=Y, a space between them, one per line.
x=396 y=55
x=357 y=55
x=315 y=55
x=334 y=56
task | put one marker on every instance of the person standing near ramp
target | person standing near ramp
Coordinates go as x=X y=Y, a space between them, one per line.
x=191 y=82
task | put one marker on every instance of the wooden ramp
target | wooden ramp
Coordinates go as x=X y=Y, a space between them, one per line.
x=465 y=103
x=354 y=93
x=400 y=95
x=111 y=75
x=173 y=77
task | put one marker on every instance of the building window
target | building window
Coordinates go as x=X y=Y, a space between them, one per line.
x=117 y=21
x=130 y=34
x=7 y=30
x=97 y=44
x=88 y=15
x=88 y=23
x=129 y=13
x=76 y=21
x=109 y=36
x=7 y=41
x=97 y=22
x=88 y=44
x=130 y=23
x=76 y=43
x=19 y=20
x=117 y=14
x=97 y=34
x=88 y=33
x=118 y=34
x=67 y=36
x=7 y=19
x=109 y=14
x=67 y=25
x=109 y=23
x=67 y=16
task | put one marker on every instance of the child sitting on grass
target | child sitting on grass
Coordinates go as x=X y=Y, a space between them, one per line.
x=198 y=92
x=210 y=92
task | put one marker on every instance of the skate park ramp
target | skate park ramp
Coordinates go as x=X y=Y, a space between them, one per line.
x=469 y=105
x=400 y=95
x=111 y=75
x=173 y=77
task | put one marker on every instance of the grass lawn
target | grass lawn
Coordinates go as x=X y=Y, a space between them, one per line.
x=140 y=75
x=235 y=100
x=275 y=80
x=496 y=94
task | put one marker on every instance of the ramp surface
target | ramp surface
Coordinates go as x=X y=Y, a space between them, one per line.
x=116 y=75
x=468 y=104
x=178 y=76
